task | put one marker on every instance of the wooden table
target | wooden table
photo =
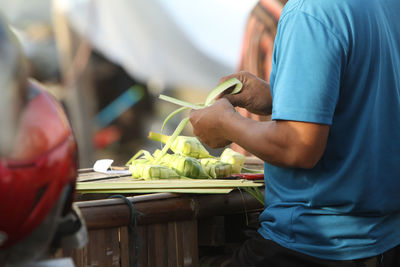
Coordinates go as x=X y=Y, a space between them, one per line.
x=173 y=229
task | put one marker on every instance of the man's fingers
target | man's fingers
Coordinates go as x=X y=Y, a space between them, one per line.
x=226 y=92
x=232 y=99
x=223 y=79
x=193 y=116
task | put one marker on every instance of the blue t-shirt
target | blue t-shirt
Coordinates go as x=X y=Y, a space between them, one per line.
x=337 y=62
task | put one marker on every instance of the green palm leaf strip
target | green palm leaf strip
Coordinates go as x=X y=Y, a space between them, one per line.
x=177 y=132
x=211 y=96
x=186 y=105
x=180 y=102
x=222 y=87
x=146 y=154
x=244 y=169
x=172 y=114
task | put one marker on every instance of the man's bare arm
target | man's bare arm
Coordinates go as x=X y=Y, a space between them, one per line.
x=282 y=143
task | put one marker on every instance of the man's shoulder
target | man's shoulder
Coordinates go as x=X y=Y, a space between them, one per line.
x=314 y=7
x=292 y=5
x=332 y=14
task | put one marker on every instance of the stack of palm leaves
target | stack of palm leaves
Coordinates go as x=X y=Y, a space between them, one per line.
x=189 y=160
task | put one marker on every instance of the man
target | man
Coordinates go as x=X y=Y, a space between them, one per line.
x=332 y=148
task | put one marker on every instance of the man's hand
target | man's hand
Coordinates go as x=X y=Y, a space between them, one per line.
x=255 y=95
x=207 y=122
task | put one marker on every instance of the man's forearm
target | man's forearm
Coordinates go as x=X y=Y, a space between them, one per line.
x=281 y=143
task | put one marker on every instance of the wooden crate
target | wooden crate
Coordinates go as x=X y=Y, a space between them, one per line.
x=167 y=228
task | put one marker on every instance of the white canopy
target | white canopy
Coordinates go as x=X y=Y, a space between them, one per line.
x=173 y=42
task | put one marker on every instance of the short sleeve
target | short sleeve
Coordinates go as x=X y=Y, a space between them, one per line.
x=306 y=72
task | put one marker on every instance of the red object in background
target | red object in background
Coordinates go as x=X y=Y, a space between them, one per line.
x=248 y=176
x=43 y=163
x=107 y=136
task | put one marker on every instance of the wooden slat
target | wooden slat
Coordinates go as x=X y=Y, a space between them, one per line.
x=115 y=213
x=211 y=231
x=79 y=256
x=124 y=246
x=175 y=257
x=160 y=253
x=170 y=244
x=190 y=245
x=167 y=227
x=103 y=248
x=151 y=249
x=144 y=244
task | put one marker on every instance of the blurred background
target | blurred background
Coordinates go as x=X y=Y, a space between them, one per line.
x=108 y=61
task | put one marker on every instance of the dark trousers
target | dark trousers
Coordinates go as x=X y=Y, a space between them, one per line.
x=258 y=251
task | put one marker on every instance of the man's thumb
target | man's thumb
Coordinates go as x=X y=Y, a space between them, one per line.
x=232 y=99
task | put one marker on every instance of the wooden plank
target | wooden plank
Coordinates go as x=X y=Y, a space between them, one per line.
x=108 y=213
x=182 y=243
x=151 y=252
x=124 y=246
x=143 y=246
x=157 y=245
x=103 y=248
x=79 y=257
x=160 y=244
x=166 y=244
x=141 y=242
x=116 y=213
x=171 y=244
x=211 y=231
x=190 y=246
x=175 y=257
